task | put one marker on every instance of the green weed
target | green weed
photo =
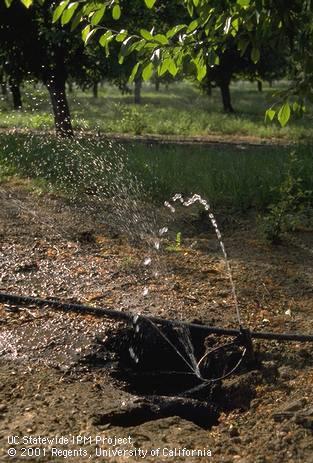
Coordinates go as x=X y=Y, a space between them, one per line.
x=177 y=246
x=293 y=205
x=229 y=177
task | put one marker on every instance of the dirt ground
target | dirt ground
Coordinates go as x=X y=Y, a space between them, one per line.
x=56 y=368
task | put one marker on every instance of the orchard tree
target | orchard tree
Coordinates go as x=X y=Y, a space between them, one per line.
x=32 y=47
x=199 y=35
x=230 y=64
x=198 y=42
x=13 y=43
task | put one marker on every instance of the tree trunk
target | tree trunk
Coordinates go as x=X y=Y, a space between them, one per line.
x=209 y=88
x=138 y=83
x=4 y=90
x=157 y=84
x=260 y=85
x=62 y=117
x=16 y=94
x=95 y=90
x=225 y=92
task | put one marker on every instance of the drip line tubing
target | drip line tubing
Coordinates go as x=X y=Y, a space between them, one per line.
x=195 y=328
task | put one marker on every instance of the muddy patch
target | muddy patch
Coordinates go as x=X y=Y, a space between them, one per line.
x=157 y=368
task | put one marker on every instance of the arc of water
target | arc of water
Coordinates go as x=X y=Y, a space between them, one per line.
x=192 y=200
x=192 y=364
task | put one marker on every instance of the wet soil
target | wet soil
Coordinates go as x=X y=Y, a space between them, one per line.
x=69 y=374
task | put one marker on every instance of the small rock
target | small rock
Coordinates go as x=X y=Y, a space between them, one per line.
x=254 y=403
x=305 y=418
x=286 y=373
x=3 y=408
x=290 y=410
x=295 y=405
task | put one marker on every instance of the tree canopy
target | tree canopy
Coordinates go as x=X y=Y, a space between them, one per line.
x=192 y=36
x=201 y=33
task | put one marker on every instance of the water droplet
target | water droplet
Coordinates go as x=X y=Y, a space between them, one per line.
x=171 y=208
x=133 y=355
x=163 y=230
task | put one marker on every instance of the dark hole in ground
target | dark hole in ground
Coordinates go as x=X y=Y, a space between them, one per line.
x=146 y=365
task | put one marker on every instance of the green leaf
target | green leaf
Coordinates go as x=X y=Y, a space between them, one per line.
x=116 y=12
x=298 y=108
x=27 y=3
x=270 y=114
x=68 y=13
x=201 y=72
x=129 y=44
x=85 y=32
x=8 y=3
x=163 y=67
x=172 y=68
x=105 y=40
x=255 y=55
x=190 y=9
x=193 y=25
x=175 y=30
x=90 y=8
x=98 y=15
x=150 y=3
x=201 y=67
x=235 y=26
x=147 y=72
x=283 y=115
x=146 y=34
x=162 y=39
x=107 y=36
x=121 y=36
x=89 y=35
x=243 y=3
x=59 y=10
x=196 y=3
x=76 y=20
x=134 y=72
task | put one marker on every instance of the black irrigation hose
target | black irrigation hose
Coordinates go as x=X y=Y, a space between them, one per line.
x=118 y=315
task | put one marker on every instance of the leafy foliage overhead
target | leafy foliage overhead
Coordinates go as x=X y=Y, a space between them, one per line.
x=201 y=32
